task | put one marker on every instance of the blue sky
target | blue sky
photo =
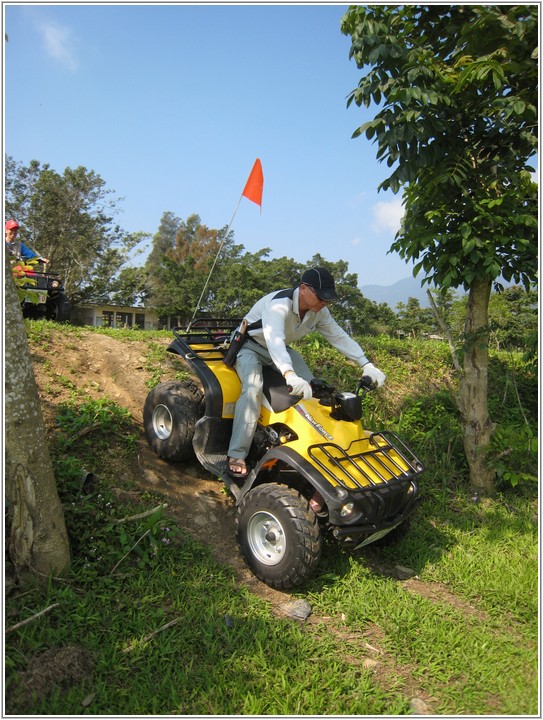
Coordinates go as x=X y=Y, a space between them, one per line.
x=171 y=105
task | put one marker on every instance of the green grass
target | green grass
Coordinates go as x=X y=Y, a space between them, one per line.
x=462 y=634
x=228 y=653
x=475 y=655
x=42 y=330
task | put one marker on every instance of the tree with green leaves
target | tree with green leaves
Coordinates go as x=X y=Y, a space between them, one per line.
x=179 y=270
x=457 y=87
x=163 y=242
x=413 y=319
x=513 y=318
x=70 y=218
x=130 y=288
x=198 y=267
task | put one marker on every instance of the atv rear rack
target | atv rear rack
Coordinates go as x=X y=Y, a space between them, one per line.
x=208 y=338
x=386 y=460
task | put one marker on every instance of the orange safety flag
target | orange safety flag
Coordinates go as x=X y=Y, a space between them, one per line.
x=255 y=184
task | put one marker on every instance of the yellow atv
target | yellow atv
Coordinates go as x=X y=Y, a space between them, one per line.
x=315 y=469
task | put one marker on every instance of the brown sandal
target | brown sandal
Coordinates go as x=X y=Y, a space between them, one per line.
x=237 y=468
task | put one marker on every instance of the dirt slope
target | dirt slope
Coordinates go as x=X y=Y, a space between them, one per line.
x=99 y=366
x=102 y=366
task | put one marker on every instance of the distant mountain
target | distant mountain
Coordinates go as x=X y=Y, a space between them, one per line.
x=400 y=291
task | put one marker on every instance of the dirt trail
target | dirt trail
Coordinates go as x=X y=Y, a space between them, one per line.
x=100 y=365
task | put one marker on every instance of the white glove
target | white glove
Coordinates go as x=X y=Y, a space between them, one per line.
x=375 y=375
x=298 y=386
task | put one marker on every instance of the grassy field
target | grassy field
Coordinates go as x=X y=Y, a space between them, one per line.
x=444 y=622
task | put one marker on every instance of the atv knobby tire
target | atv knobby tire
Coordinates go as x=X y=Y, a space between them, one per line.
x=58 y=308
x=170 y=413
x=278 y=535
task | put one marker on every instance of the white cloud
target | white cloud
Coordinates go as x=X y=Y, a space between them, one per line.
x=387 y=216
x=59 y=44
x=355 y=242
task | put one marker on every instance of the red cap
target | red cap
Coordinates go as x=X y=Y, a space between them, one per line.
x=12 y=224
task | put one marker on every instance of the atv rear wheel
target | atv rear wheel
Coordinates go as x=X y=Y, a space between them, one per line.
x=170 y=413
x=278 y=535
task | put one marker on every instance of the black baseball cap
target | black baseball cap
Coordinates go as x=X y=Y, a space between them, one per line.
x=322 y=283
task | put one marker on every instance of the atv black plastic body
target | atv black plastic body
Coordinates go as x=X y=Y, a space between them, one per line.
x=46 y=298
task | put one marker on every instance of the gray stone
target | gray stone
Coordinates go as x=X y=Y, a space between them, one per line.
x=297 y=609
x=404 y=573
x=418 y=706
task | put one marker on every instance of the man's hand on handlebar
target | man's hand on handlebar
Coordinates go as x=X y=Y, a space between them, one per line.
x=298 y=386
x=376 y=377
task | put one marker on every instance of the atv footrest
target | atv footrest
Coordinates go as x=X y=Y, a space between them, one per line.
x=368 y=462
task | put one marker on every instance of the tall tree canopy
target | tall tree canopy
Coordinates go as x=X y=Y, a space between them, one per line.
x=194 y=267
x=70 y=219
x=163 y=241
x=457 y=87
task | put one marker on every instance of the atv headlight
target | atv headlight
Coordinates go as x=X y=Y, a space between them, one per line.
x=347 y=510
x=54 y=283
x=351 y=405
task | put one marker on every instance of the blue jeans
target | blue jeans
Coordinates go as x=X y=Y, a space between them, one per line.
x=249 y=362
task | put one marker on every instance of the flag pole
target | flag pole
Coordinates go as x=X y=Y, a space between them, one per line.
x=253 y=192
x=214 y=263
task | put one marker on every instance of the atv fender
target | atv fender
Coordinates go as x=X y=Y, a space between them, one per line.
x=304 y=468
x=212 y=388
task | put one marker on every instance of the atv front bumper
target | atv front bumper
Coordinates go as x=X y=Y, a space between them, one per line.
x=376 y=485
x=368 y=489
x=374 y=514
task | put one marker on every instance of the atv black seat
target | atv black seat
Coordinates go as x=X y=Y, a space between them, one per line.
x=276 y=390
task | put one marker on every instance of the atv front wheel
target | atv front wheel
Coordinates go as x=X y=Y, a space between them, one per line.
x=170 y=413
x=58 y=308
x=278 y=535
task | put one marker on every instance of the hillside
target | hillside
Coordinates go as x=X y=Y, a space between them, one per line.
x=99 y=365
x=378 y=617
x=70 y=361
x=409 y=287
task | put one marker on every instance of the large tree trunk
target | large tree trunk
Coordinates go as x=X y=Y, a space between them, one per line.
x=473 y=393
x=36 y=531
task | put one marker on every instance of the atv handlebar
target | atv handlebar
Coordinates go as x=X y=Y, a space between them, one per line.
x=323 y=389
x=365 y=383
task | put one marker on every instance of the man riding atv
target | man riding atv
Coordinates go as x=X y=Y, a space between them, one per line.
x=276 y=320
x=19 y=249
x=41 y=293
x=313 y=469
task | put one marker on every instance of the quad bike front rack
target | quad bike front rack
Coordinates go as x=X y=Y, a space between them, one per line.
x=382 y=458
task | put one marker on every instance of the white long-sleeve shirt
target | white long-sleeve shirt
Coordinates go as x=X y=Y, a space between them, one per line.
x=282 y=325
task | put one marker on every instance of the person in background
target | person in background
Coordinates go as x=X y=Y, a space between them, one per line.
x=19 y=249
x=276 y=320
